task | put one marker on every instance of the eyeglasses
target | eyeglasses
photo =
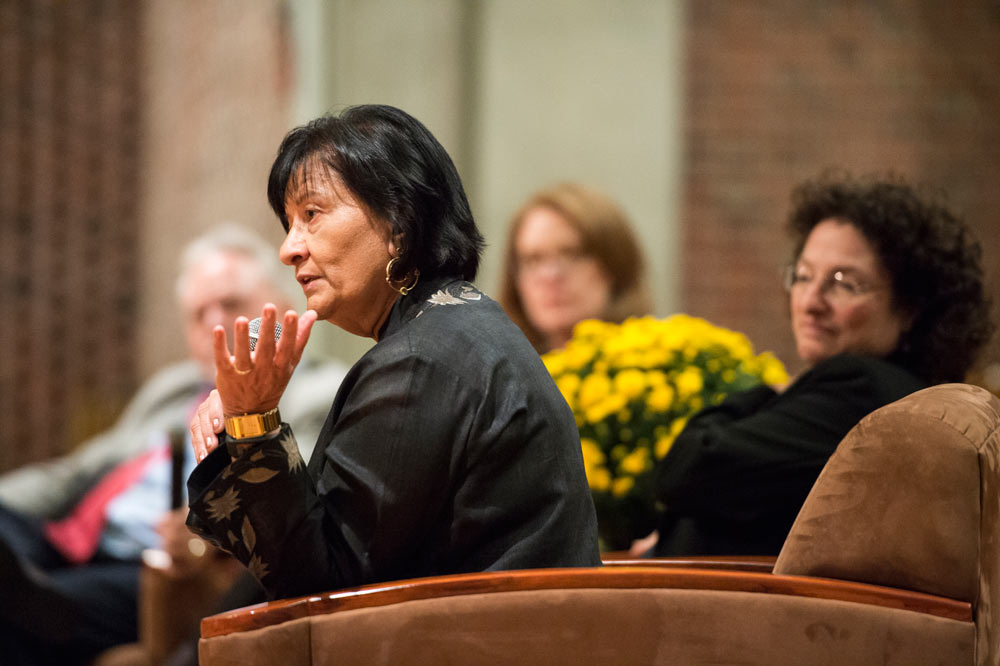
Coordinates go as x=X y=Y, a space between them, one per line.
x=837 y=286
x=562 y=260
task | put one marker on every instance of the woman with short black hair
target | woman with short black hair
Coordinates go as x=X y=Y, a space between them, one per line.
x=448 y=447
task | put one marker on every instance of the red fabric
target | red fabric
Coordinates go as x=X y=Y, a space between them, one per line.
x=76 y=536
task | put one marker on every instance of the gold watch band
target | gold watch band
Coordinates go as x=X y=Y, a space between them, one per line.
x=253 y=425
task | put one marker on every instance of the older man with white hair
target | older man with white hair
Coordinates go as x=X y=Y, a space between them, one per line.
x=72 y=529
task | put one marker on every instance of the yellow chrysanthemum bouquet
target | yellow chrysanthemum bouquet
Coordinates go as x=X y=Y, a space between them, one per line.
x=632 y=387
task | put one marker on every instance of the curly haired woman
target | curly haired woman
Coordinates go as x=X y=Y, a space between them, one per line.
x=886 y=297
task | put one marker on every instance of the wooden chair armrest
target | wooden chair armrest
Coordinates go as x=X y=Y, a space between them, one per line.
x=615 y=577
x=759 y=563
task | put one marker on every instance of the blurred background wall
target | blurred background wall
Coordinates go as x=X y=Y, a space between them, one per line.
x=70 y=163
x=779 y=91
x=126 y=126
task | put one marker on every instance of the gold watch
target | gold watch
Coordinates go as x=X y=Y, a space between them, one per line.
x=253 y=425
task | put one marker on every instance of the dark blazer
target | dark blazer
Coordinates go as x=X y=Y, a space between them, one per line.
x=448 y=449
x=737 y=475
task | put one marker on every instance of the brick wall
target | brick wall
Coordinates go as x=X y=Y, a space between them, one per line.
x=69 y=118
x=126 y=128
x=778 y=91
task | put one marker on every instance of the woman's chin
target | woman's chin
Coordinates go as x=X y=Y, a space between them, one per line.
x=813 y=354
x=322 y=307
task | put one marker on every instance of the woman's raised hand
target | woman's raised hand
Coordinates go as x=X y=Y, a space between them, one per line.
x=249 y=382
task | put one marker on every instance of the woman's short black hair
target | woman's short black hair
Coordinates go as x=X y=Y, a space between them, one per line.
x=401 y=173
x=934 y=262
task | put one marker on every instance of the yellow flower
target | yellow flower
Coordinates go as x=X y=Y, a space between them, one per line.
x=630 y=383
x=578 y=354
x=592 y=328
x=611 y=404
x=656 y=378
x=568 y=385
x=636 y=462
x=689 y=382
x=773 y=372
x=661 y=398
x=594 y=389
x=632 y=387
x=654 y=358
x=663 y=445
x=555 y=363
x=622 y=485
x=592 y=454
x=599 y=478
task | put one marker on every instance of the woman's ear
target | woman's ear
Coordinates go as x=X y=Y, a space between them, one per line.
x=396 y=246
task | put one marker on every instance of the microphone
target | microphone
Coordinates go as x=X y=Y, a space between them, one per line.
x=255 y=332
x=178 y=446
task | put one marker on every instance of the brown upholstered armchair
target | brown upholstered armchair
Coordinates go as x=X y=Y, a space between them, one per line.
x=893 y=560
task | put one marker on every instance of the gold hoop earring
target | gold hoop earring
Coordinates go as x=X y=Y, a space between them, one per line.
x=388 y=278
x=388 y=270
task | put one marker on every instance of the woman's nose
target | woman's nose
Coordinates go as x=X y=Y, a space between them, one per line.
x=293 y=249
x=550 y=269
x=814 y=296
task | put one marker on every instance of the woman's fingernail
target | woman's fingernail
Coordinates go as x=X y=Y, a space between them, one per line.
x=215 y=423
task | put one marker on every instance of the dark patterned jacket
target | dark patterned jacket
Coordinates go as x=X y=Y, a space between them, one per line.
x=448 y=449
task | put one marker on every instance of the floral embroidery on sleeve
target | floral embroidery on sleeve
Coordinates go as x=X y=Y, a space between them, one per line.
x=257 y=567
x=244 y=481
x=291 y=447
x=220 y=508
